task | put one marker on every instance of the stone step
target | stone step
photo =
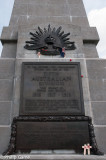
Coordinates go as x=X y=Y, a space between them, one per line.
x=53 y=157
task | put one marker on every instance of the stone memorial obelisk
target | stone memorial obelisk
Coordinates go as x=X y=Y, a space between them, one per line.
x=52 y=82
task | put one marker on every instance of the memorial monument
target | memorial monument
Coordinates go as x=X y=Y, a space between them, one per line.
x=52 y=86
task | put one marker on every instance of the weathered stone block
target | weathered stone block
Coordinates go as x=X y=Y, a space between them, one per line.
x=71 y=54
x=20 y=9
x=31 y=19
x=31 y=1
x=57 y=20
x=14 y=20
x=85 y=89
x=90 y=51
x=77 y=10
x=96 y=69
x=100 y=133
x=79 y=2
x=5 y=113
x=17 y=88
x=6 y=89
x=97 y=79
x=86 y=94
x=97 y=89
x=6 y=68
x=74 y=54
x=99 y=112
x=4 y=138
x=58 y=11
x=90 y=35
x=9 y=50
x=87 y=108
x=47 y=10
x=79 y=49
x=37 y=2
x=16 y=105
x=80 y=21
x=55 y=2
x=38 y=10
x=22 y=52
x=9 y=34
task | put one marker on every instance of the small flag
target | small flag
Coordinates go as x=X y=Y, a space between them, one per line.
x=62 y=52
x=39 y=54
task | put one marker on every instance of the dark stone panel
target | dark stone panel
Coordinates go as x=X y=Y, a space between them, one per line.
x=9 y=50
x=52 y=135
x=4 y=138
x=6 y=90
x=51 y=89
x=100 y=133
x=6 y=68
x=5 y=110
x=99 y=112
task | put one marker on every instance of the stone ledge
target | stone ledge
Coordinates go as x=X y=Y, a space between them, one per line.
x=9 y=34
x=90 y=35
x=56 y=157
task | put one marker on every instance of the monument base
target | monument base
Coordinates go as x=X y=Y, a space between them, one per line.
x=55 y=157
x=52 y=132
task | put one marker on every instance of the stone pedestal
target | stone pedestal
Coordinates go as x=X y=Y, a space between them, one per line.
x=61 y=156
x=27 y=15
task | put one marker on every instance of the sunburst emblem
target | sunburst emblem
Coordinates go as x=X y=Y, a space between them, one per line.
x=49 y=41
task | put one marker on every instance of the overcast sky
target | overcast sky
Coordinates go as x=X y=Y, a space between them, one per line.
x=96 y=11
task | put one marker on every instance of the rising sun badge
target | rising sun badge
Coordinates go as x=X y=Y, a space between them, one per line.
x=49 y=41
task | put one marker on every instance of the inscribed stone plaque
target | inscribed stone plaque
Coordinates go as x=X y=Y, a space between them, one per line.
x=51 y=89
x=52 y=135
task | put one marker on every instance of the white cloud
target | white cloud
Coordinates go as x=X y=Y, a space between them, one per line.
x=94 y=4
x=5 y=12
x=98 y=18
